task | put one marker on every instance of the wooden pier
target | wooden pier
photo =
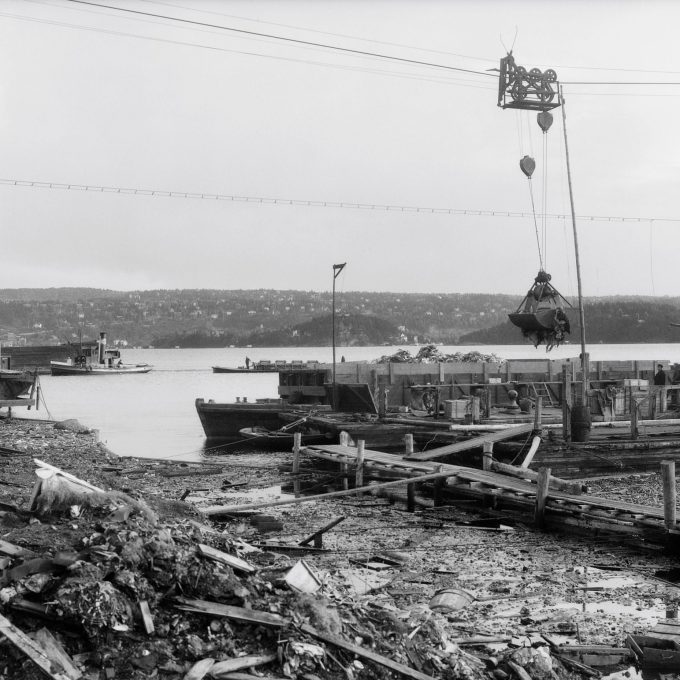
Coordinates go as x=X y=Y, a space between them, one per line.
x=549 y=508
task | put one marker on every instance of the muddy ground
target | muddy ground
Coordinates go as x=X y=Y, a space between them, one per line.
x=449 y=592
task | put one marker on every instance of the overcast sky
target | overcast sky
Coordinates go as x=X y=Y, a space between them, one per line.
x=108 y=98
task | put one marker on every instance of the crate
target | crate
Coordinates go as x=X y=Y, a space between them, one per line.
x=455 y=409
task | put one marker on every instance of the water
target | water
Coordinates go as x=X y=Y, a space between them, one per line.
x=154 y=415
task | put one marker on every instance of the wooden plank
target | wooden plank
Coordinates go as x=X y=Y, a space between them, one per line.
x=223 y=669
x=12 y=550
x=230 y=560
x=31 y=649
x=147 y=619
x=474 y=443
x=57 y=654
x=230 y=612
x=320 y=532
x=366 y=653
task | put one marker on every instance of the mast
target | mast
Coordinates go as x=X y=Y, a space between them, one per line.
x=584 y=358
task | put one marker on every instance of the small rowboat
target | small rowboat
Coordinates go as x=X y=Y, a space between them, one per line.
x=261 y=437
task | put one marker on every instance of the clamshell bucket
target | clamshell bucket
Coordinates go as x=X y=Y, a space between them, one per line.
x=540 y=315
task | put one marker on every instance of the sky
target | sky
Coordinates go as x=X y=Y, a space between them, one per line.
x=254 y=144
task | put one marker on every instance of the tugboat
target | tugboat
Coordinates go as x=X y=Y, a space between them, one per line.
x=95 y=359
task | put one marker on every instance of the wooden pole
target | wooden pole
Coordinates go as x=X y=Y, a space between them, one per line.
x=438 y=488
x=542 y=486
x=344 y=438
x=566 y=404
x=408 y=443
x=487 y=460
x=359 y=480
x=633 y=417
x=297 y=442
x=411 y=497
x=538 y=413
x=344 y=471
x=582 y=320
x=669 y=493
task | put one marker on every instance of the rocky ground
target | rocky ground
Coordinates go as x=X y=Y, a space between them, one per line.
x=444 y=592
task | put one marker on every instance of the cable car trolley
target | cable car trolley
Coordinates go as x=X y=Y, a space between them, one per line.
x=532 y=90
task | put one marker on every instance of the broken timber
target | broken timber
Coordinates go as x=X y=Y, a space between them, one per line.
x=562 y=510
x=474 y=443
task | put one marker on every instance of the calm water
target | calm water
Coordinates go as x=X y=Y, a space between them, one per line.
x=154 y=414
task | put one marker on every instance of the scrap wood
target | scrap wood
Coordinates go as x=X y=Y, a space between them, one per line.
x=31 y=649
x=67 y=475
x=597 y=655
x=578 y=666
x=282 y=547
x=237 y=675
x=222 y=510
x=224 y=558
x=169 y=472
x=57 y=653
x=472 y=641
x=200 y=669
x=519 y=671
x=147 y=619
x=366 y=653
x=224 y=669
x=230 y=611
x=316 y=536
x=12 y=550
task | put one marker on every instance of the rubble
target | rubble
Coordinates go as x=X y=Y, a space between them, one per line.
x=121 y=580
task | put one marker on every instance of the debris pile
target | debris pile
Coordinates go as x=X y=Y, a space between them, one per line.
x=431 y=354
x=110 y=583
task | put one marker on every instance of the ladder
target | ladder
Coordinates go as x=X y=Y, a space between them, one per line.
x=540 y=389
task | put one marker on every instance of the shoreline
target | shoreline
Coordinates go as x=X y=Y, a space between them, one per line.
x=524 y=582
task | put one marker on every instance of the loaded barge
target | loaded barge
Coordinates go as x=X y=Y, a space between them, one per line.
x=443 y=402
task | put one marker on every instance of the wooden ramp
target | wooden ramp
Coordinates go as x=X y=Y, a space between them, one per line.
x=562 y=510
x=474 y=443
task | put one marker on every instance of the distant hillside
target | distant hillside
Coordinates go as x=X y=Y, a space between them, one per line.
x=218 y=318
x=610 y=322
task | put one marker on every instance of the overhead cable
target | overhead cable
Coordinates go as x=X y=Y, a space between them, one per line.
x=272 y=36
x=159 y=193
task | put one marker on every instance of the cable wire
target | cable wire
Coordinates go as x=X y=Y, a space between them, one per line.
x=382 y=207
x=272 y=36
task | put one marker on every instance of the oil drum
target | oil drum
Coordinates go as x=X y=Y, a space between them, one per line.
x=580 y=423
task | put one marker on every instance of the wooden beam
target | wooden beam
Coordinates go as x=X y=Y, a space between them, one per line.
x=366 y=653
x=230 y=560
x=224 y=669
x=573 y=488
x=320 y=532
x=226 y=509
x=230 y=612
x=31 y=649
x=474 y=443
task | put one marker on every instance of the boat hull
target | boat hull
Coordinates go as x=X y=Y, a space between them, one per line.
x=63 y=368
x=223 y=421
x=15 y=384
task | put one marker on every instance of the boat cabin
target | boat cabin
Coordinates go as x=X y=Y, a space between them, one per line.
x=97 y=354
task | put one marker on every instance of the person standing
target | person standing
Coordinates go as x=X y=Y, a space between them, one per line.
x=247 y=363
x=660 y=382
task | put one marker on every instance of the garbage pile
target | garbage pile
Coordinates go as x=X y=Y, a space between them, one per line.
x=431 y=354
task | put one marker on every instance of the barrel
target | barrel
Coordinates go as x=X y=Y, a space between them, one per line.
x=580 y=423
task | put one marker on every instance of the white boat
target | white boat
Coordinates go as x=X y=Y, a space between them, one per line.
x=96 y=359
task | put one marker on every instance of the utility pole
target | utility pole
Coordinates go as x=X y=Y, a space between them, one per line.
x=337 y=268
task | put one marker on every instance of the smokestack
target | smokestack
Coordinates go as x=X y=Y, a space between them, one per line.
x=102 y=347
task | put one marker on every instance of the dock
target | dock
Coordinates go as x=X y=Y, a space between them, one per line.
x=551 y=509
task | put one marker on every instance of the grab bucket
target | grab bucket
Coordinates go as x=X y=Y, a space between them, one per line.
x=580 y=423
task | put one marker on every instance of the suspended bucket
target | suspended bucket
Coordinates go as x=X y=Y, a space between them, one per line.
x=540 y=315
x=580 y=423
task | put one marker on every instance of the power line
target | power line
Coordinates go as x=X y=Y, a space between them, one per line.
x=160 y=193
x=307 y=43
